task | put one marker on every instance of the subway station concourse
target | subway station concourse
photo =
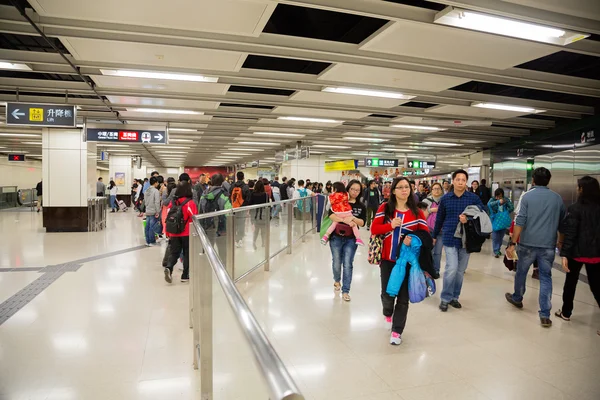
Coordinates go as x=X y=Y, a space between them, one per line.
x=112 y=113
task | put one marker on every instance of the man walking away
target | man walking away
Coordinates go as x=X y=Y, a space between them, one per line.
x=536 y=229
x=38 y=189
x=152 y=203
x=239 y=197
x=372 y=199
x=100 y=188
x=283 y=189
x=450 y=214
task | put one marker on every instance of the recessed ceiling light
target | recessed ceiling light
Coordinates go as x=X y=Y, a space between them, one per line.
x=158 y=75
x=307 y=119
x=15 y=66
x=365 y=139
x=327 y=146
x=236 y=154
x=417 y=127
x=505 y=26
x=507 y=107
x=35 y=143
x=181 y=140
x=172 y=152
x=182 y=130
x=260 y=143
x=163 y=147
x=19 y=135
x=442 y=144
x=164 y=111
x=367 y=92
x=278 y=134
x=244 y=149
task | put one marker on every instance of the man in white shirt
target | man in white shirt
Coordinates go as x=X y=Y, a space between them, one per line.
x=302 y=207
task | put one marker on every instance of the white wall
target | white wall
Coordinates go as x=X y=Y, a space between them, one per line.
x=24 y=175
x=101 y=173
x=312 y=168
x=122 y=164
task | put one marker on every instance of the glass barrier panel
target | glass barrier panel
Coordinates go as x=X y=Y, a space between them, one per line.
x=279 y=228
x=296 y=221
x=235 y=374
x=250 y=239
x=216 y=230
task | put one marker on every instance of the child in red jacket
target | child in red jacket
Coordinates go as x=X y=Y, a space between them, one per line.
x=342 y=208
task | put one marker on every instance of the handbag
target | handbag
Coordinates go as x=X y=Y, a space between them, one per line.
x=325 y=224
x=375 y=249
x=501 y=220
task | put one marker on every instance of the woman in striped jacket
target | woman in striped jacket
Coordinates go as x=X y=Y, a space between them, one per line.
x=394 y=220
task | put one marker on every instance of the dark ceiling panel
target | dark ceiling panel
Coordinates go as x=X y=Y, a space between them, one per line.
x=382 y=116
x=29 y=43
x=42 y=76
x=315 y=23
x=417 y=104
x=524 y=93
x=58 y=95
x=566 y=63
x=260 y=90
x=262 y=107
x=285 y=64
x=420 y=3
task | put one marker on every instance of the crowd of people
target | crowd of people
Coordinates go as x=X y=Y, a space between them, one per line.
x=398 y=212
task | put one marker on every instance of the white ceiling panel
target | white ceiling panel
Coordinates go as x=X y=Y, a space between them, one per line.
x=477 y=112
x=375 y=135
x=168 y=103
x=284 y=122
x=239 y=17
x=581 y=8
x=163 y=117
x=118 y=82
x=391 y=78
x=283 y=130
x=461 y=46
x=345 y=99
x=153 y=54
x=317 y=112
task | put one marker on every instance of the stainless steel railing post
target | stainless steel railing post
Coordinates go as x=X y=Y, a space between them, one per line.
x=268 y=241
x=303 y=216
x=204 y=316
x=230 y=245
x=290 y=217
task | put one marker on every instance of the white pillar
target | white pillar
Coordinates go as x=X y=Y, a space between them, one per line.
x=69 y=178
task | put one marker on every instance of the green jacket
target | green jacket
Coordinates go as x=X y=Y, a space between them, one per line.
x=214 y=192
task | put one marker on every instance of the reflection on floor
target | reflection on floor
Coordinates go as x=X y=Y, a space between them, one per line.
x=115 y=330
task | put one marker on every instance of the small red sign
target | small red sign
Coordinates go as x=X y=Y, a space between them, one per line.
x=128 y=136
x=16 y=157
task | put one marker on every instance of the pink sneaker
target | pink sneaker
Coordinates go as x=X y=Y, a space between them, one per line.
x=395 y=339
x=360 y=242
x=388 y=323
x=324 y=240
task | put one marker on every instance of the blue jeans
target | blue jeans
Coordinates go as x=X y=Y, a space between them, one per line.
x=152 y=227
x=113 y=202
x=456 y=265
x=545 y=259
x=497 y=237
x=276 y=209
x=343 y=250
x=437 y=253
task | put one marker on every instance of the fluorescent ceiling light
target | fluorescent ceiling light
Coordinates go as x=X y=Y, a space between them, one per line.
x=417 y=127
x=507 y=107
x=15 y=66
x=173 y=152
x=163 y=147
x=181 y=140
x=365 y=139
x=278 y=134
x=38 y=143
x=507 y=27
x=236 y=154
x=19 y=135
x=340 y=157
x=366 y=153
x=243 y=149
x=442 y=144
x=260 y=143
x=158 y=75
x=164 y=111
x=307 y=119
x=367 y=92
x=327 y=146
x=316 y=152
x=182 y=130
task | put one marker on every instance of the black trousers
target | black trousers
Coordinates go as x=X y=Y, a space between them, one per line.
x=593 y=274
x=396 y=307
x=176 y=245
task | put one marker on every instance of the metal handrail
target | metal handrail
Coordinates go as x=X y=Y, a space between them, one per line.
x=252 y=207
x=279 y=381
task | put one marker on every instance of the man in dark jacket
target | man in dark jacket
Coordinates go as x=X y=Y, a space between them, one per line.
x=283 y=189
x=372 y=198
x=38 y=189
x=240 y=216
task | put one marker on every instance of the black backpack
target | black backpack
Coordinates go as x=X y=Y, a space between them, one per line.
x=209 y=207
x=175 y=223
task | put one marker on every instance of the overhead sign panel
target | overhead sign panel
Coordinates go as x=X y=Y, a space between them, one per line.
x=33 y=114
x=126 y=135
x=421 y=164
x=341 y=165
x=16 y=157
x=381 y=162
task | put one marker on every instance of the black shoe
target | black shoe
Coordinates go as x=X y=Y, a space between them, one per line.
x=536 y=274
x=443 y=306
x=436 y=275
x=38 y=210
x=509 y=298
x=497 y=255
x=168 y=277
x=185 y=279
x=546 y=323
x=455 y=304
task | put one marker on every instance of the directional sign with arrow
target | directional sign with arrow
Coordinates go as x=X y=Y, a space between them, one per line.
x=30 y=114
x=122 y=134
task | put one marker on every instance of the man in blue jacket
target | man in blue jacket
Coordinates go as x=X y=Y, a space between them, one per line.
x=450 y=213
x=540 y=212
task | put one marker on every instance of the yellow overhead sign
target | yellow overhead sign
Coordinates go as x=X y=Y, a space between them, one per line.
x=341 y=165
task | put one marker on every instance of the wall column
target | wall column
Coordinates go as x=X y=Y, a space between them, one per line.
x=121 y=171
x=69 y=178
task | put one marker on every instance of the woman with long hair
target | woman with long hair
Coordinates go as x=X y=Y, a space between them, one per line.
x=395 y=219
x=261 y=215
x=580 y=237
x=433 y=202
x=342 y=241
x=112 y=190
x=328 y=188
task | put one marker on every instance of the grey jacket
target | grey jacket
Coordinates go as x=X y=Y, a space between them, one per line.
x=152 y=201
x=540 y=211
x=474 y=212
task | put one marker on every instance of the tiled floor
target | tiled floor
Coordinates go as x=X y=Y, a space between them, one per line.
x=115 y=330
